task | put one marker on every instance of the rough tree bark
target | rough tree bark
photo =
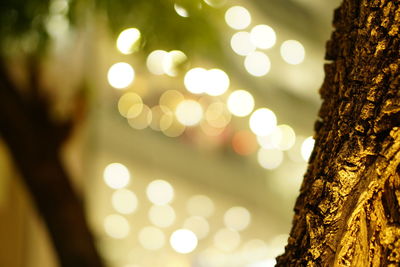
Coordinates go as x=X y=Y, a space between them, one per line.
x=35 y=140
x=348 y=211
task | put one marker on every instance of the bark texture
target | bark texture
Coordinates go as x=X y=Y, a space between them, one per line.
x=348 y=211
x=35 y=140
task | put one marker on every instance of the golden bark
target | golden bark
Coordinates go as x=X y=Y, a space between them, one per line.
x=348 y=213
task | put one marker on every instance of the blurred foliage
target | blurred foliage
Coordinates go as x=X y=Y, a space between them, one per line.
x=25 y=23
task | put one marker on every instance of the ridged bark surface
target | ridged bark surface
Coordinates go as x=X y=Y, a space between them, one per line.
x=348 y=211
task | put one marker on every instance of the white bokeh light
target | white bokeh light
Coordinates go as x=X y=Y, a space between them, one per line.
x=195 y=80
x=263 y=36
x=162 y=215
x=172 y=61
x=151 y=238
x=116 y=175
x=128 y=41
x=155 y=61
x=160 y=192
x=181 y=11
x=116 y=226
x=241 y=43
x=237 y=17
x=226 y=240
x=120 y=75
x=257 y=63
x=269 y=158
x=240 y=103
x=307 y=147
x=124 y=201
x=183 y=241
x=292 y=52
x=217 y=82
x=189 y=112
x=283 y=137
x=237 y=218
x=262 y=121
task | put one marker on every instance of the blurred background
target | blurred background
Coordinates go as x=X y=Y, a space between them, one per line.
x=198 y=126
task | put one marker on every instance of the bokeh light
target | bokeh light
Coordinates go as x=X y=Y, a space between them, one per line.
x=189 y=112
x=198 y=225
x=240 y=103
x=124 y=201
x=263 y=36
x=162 y=215
x=183 y=241
x=195 y=80
x=244 y=143
x=155 y=61
x=237 y=17
x=217 y=115
x=116 y=175
x=269 y=158
x=171 y=98
x=257 y=63
x=139 y=120
x=128 y=41
x=293 y=52
x=160 y=192
x=283 y=137
x=151 y=238
x=200 y=205
x=173 y=62
x=217 y=82
x=227 y=240
x=120 y=75
x=241 y=43
x=262 y=121
x=237 y=218
x=174 y=130
x=181 y=11
x=130 y=103
x=116 y=226
x=307 y=148
x=162 y=118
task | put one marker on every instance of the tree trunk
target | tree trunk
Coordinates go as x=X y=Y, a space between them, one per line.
x=35 y=141
x=348 y=211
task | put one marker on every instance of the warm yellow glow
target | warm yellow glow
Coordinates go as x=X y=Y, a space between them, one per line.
x=174 y=130
x=215 y=3
x=255 y=249
x=198 y=225
x=217 y=115
x=257 y=63
x=217 y=82
x=244 y=143
x=162 y=118
x=127 y=101
x=171 y=98
x=155 y=61
x=240 y=103
x=142 y=119
x=196 y=80
x=116 y=175
x=262 y=121
x=200 y=205
x=226 y=240
x=128 y=41
x=162 y=215
x=57 y=25
x=173 y=61
x=181 y=11
x=237 y=17
x=160 y=192
x=237 y=218
x=189 y=112
x=293 y=52
x=124 y=201
x=263 y=36
x=269 y=158
x=283 y=137
x=151 y=238
x=116 y=226
x=211 y=130
x=183 y=241
x=307 y=148
x=241 y=43
x=120 y=75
